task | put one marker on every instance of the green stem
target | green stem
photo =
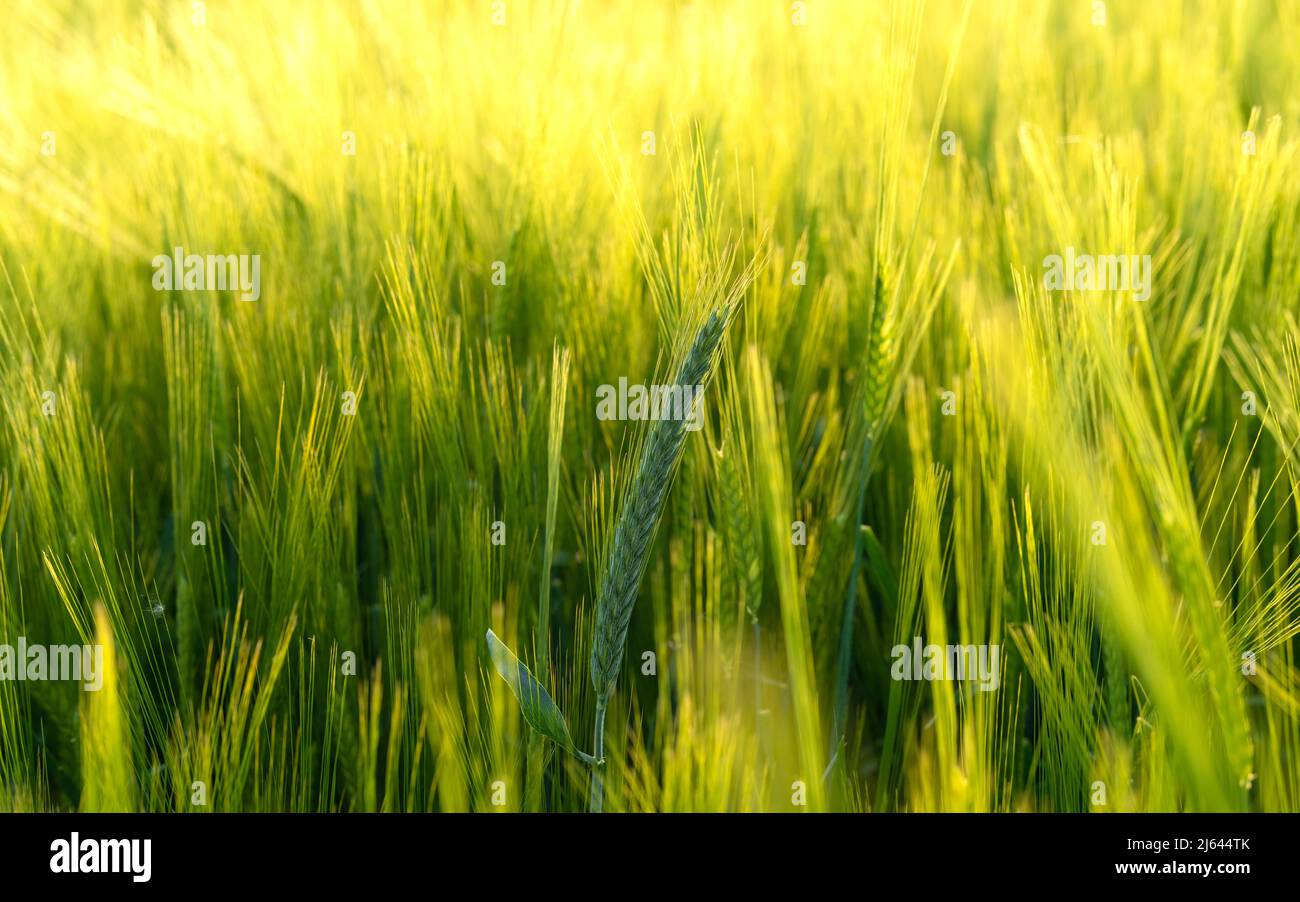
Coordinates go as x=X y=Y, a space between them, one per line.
x=596 y=802
x=536 y=751
x=850 y=602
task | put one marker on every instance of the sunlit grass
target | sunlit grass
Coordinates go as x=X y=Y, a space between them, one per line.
x=396 y=449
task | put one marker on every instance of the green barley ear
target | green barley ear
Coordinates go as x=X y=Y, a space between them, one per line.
x=643 y=506
x=542 y=714
x=734 y=497
x=880 y=363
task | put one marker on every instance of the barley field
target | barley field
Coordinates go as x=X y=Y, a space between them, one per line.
x=649 y=405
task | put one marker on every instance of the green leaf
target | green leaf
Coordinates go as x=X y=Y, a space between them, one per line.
x=542 y=714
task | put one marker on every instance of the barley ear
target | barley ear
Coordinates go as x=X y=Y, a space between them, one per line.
x=642 y=509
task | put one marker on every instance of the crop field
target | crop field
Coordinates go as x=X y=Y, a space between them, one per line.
x=649 y=405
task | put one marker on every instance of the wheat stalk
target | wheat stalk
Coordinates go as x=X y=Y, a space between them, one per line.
x=635 y=531
x=643 y=506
